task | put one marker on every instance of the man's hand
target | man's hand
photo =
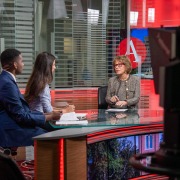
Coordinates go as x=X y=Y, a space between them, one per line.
x=54 y=115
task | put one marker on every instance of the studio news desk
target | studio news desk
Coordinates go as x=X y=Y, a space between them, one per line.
x=80 y=152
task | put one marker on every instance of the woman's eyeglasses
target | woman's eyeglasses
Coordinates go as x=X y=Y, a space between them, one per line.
x=119 y=65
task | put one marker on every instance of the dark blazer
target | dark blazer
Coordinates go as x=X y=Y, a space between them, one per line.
x=17 y=123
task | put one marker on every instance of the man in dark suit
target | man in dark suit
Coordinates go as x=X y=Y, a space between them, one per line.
x=17 y=123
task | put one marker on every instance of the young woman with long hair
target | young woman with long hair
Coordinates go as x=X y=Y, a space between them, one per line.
x=37 y=92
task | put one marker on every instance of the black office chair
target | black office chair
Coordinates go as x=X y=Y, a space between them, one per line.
x=9 y=169
x=102 y=104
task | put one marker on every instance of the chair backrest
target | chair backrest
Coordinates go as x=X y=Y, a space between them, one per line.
x=102 y=104
x=9 y=169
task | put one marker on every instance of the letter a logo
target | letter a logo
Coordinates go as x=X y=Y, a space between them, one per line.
x=136 y=49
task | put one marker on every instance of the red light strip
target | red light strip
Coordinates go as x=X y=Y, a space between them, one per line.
x=61 y=159
x=151 y=177
x=122 y=132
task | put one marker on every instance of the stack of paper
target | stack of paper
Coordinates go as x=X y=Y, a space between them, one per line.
x=72 y=118
x=116 y=110
x=72 y=122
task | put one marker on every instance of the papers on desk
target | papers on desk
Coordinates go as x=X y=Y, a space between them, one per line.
x=83 y=122
x=72 y=118
x=116 y=110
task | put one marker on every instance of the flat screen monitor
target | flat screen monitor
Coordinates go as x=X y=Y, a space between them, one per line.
x=163 y=44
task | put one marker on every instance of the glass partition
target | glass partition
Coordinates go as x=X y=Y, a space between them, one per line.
x=17 y=30
x=85 y=36
x=80 y=33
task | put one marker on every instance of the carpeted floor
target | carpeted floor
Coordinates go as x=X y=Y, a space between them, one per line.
x=19 y=156
x=27 y=168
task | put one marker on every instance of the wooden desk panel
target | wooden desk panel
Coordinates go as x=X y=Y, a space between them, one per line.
x=75 y=159
x=46 y=160
x=51 y=164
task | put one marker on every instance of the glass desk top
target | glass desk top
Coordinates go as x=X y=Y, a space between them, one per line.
x=100 y=117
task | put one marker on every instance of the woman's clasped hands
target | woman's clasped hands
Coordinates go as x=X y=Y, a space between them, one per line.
x=114 y=99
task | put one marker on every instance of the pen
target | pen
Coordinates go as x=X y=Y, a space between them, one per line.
x=117 y=99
